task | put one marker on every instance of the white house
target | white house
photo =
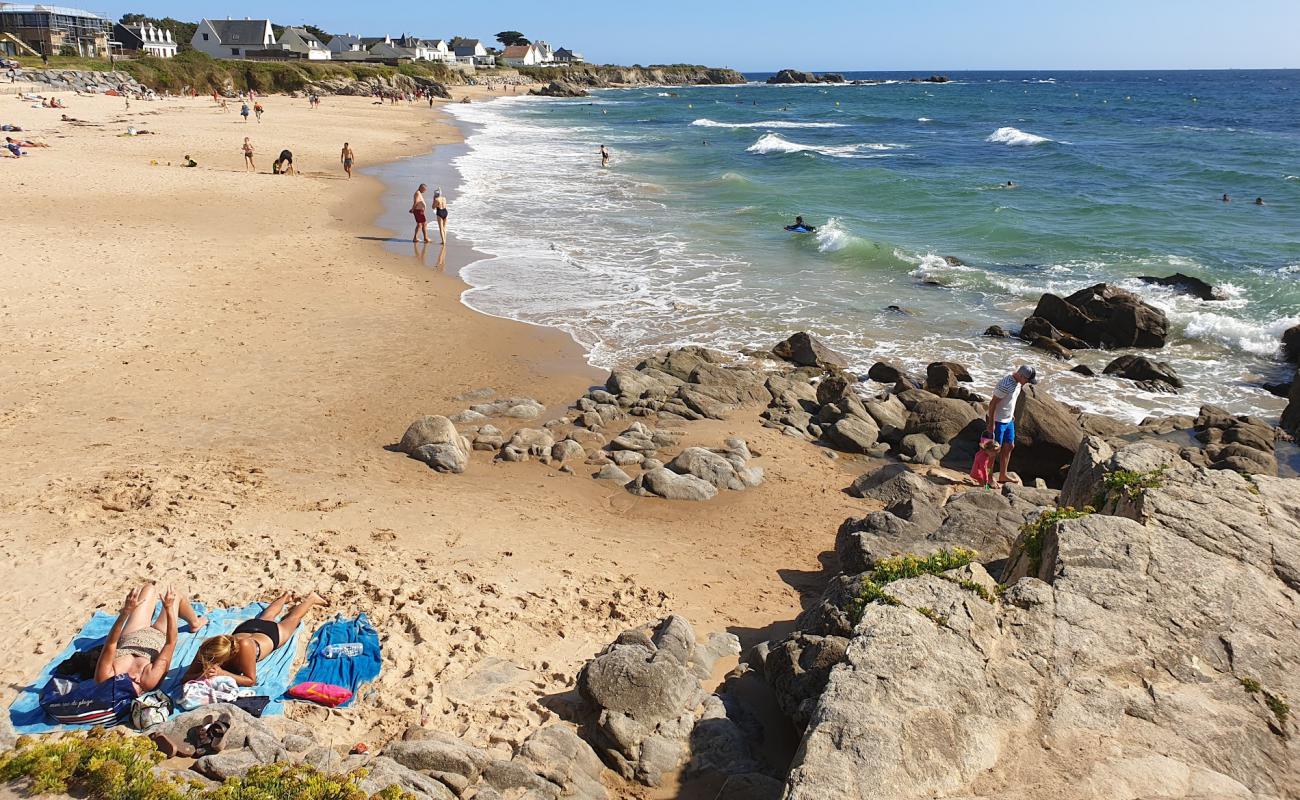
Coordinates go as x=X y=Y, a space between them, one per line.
x=302 y=42
x=472 y=51
x=544 y=52
x=232 y=38
x=521 y=55
x=145 y=38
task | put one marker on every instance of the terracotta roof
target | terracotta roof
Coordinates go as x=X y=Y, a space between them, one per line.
x=516 y=51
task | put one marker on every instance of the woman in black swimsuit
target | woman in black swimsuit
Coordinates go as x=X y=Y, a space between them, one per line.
x=236 y=655
x=440 y=208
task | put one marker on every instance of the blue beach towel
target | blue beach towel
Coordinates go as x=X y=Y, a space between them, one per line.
x=330 y=659
x=273 y=673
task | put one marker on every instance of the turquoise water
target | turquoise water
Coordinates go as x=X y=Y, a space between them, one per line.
x=681 y=241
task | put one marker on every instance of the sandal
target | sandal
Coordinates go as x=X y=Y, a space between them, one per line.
x=171 y=748
x=217 y=733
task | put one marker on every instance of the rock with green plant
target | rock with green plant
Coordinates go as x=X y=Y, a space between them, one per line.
x=1152 y=651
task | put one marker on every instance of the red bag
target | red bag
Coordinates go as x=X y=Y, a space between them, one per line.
x=325 y=694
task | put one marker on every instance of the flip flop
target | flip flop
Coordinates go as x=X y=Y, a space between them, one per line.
x=171 y=748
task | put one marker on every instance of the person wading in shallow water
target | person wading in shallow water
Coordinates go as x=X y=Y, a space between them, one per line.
x=1002 y=415
x=604 y=156
x=347 y=158
x=417 y=210
x=440 y=209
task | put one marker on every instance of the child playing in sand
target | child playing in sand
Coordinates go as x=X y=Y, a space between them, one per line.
x=138 y=649
x=236 y=655
x=982 y=470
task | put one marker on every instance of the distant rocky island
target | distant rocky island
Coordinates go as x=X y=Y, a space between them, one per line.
x=799 y=76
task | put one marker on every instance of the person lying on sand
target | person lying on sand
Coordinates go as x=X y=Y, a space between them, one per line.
x=11 y=150
x=25 y=142
x=8 y=127
x=141 y=650
x=236 y=655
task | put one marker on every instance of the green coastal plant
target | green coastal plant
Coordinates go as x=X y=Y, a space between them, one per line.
x=888 y=570
x=1128 y=484
x=1033 y=533
x=111 y=765
x=971 y=586
x=932 y=615
x=1279 y=706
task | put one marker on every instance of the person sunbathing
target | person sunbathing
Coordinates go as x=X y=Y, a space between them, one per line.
x=141 y=650
x=235 y=655
x=24 y=142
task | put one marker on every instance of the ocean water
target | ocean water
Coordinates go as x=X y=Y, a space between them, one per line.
x=1117 y=175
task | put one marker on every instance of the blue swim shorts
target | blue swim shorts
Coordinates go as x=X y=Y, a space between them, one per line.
x=1004 y=433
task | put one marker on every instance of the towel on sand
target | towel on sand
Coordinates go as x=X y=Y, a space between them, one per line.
x=272 y=673
x=328 y=661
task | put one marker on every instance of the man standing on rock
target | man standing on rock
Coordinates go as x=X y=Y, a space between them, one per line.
x=1002 y=414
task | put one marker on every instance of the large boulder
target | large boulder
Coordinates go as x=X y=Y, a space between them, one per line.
x=724 y=469
x=942 y=419
x=1150 y=658
x=1186 y=284
x=1156 y=376
x=1105 y=316
x=641 y=695
x=1048 y=434
x=1291 y=344
x=793 y=76
x=1291 y=414
x=807 y=350
x=559 y=89
x=670 y=485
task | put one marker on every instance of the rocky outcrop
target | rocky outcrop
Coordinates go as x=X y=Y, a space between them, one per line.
x=698 y=473
x=370 y=85
x=799 y=76
x=642 y=697
x=1099 y=316
x=1154 y=376
x=1240 y=443
x=1048 y=434
x=1188 y=285
x=92 y=81
x=595 y=77
x=684 y=384
x=1145 y=651
x=559 y=89
x=1291 y=414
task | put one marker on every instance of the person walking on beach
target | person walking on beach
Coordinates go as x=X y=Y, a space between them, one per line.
x=440 y=209
x=257 y=109
x=417 y=210
x=1001 y=421
x=243 y=112
x=347 y=158
x=604 y=156
x=248 y=156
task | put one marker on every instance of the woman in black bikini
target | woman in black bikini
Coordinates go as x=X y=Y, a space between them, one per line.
x=440 y=208
x=236 y=655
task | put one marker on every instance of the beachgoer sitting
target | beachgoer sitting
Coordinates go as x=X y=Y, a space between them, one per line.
x=284 y=164
x=236 y=655
x=138 y=649
x=189 y=162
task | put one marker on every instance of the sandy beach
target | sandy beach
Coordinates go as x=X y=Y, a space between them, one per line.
x=204 y=368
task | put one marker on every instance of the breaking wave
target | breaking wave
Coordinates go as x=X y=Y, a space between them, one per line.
x=1016 y=137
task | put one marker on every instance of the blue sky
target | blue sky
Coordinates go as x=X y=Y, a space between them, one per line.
x=921 y=35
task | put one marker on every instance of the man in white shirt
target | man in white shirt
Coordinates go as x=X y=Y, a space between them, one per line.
x=1002 y=414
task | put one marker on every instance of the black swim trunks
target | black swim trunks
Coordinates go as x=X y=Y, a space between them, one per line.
x=263 y=626
x=442 y=213
x=286 y=157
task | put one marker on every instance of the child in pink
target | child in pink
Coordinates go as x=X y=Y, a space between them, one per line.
x=985 y=462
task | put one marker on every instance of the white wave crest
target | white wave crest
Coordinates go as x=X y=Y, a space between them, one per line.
x=773 y=143
x=831 y=238
x=708 y=123
x=924 y=119
x=1016 y=137
x=1235 y=333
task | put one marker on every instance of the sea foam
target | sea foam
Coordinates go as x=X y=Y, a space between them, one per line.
x=771 y=143
x=1016 y=137
x=708 y=123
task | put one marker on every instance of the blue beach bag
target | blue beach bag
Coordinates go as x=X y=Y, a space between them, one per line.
x=87 y=702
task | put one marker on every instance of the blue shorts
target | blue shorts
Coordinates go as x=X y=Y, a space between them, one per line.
x=1004 y=433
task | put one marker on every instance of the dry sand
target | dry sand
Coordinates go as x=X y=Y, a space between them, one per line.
x=202 y=368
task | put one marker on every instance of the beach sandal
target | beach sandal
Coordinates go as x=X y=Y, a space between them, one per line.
x=171 y=748
x=217 y=733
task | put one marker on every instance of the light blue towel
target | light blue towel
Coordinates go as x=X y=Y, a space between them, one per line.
x=272 y=673
x=349 y=671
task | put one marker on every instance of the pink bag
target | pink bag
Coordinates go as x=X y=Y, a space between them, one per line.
x=326 y=694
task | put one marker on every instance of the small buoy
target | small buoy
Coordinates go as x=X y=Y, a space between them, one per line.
x=837 y=102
